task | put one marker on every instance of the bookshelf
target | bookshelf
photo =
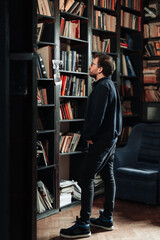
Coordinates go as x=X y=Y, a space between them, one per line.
x=46 y=164
x=151 y=63
x=122 y=39
x=131 y=45
x=74 y=49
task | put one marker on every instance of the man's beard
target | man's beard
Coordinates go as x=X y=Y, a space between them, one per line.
x=92 y=75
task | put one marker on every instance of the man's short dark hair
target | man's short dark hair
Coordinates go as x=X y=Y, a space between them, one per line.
x=107 y=62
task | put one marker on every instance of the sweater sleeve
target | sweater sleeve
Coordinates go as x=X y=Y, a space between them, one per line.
x=97 y=105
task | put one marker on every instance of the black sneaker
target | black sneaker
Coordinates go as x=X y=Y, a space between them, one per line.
x=102 y=222
x=78 y=230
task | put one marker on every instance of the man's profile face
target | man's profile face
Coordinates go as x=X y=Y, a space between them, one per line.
x=93 y=68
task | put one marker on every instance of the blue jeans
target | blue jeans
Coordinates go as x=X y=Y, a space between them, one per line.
x=100 y=160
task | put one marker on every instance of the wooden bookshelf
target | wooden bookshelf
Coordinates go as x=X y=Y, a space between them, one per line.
x=151 y=63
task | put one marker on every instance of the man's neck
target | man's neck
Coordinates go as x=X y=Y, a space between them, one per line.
x=99 y=76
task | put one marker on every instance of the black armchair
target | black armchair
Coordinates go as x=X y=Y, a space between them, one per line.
x=137 y=165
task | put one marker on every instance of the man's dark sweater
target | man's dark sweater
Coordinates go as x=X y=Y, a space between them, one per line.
x=103 y=120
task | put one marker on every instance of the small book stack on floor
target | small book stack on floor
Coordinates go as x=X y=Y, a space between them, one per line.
x=69 y=190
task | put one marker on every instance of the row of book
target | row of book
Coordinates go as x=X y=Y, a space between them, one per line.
x=70 y=29
x=44 y=7
x=44 y=198
x=131 y=21
x=66 y=111
x=68 y=142
x=73 y=86
x=151 y=30
x=126 y=88
x=73 y=61
x=69 y=110
x=109 y=4
x=99 y=45
x=134 y=4
x=152 y=48
x=126 y=66
x=103 y=21
x=151 y=74
x=72 y=6
x=152 y=94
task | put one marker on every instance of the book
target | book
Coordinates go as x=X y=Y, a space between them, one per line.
x=42 y=66
x=40 y=27
x=130 y=69
x=44 y=197
x=61 y=5
x=42 y=159
x=46 y=53
x=151 y=12
x=68 y=4
x=44 y=7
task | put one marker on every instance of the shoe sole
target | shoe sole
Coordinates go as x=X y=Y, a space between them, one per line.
x=100 y=226
x=76 y=236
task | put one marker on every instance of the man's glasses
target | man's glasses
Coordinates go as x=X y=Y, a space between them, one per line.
x=94 y=64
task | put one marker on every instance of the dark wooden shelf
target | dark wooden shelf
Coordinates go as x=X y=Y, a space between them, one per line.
x=73 y=41
x=72 y=120
x=46 y=106
x=72 y=153
x=104 y=32
x=75 y=97
x=106 y=10
x=151 y=39
x=129 y=77
x=73 y=72
x=42 y=43
x=130 y=51
x=39 y=132
x=45 y=19
x=111 y=54
x=151 y=20
x=130 y=30
x=71 y=16
x=131 y=10
x=152 y=58
x=41 y=168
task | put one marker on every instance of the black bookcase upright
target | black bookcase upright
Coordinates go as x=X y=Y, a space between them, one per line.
x=151 y=64
x=46 y=108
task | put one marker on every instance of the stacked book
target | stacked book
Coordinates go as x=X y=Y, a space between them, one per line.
x=69 y=189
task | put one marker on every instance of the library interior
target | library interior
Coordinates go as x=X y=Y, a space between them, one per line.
x=47 y=47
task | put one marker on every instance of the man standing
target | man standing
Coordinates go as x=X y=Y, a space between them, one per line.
x=103 y=123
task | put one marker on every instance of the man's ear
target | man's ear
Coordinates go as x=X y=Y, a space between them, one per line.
x=100 y=70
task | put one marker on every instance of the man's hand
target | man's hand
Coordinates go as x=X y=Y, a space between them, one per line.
x=90 y=141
